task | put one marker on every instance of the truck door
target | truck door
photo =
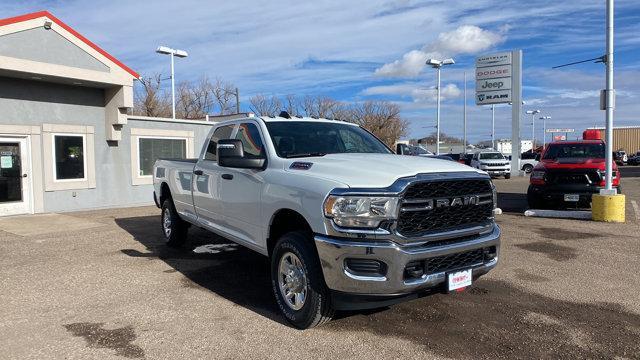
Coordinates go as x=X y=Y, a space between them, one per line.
x=206 y=178
x=240 y=189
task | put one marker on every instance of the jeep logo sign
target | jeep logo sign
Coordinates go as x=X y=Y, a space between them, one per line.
x=493 y=84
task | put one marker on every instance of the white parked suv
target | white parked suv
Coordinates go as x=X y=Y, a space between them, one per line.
x=492 y=162
x=346 y=223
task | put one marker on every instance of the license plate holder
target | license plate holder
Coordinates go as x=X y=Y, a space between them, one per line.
x=459 y=279
x=571 y=197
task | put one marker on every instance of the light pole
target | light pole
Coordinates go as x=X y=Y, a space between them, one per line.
x=533 y=127
x=172 y=52
x=544 y=130
x=493 y=127
x=609 y=104
x=464 y=120
x=437 y=64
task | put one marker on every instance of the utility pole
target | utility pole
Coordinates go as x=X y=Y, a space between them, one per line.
x=237 y=101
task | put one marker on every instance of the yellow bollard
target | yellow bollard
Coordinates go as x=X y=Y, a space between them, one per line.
x=609 y=208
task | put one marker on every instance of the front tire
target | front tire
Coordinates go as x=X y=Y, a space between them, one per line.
x=298 y=283
x=528 y=168
x=173 y=227
x=507 y=176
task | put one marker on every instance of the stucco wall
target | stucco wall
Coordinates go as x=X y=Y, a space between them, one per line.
x=47 y=46
x=24 y=102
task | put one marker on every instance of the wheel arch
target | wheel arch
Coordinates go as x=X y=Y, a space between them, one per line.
x=283 y=221
x=165 y=193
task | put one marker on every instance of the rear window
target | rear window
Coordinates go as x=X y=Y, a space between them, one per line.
x=583 y=151
x=491 y=156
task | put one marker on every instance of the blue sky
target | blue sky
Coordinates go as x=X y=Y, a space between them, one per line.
x=359 y=50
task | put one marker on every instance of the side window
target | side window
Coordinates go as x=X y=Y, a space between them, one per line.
x=223 y=132
x=251 y=141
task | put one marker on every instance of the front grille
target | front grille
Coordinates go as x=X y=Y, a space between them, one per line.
x=416 y=219
x=448 y=263
x=496 y=164
x=572 y=177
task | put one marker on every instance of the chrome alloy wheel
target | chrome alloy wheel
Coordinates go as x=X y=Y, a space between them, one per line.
x=166 y=222
x=292 y=281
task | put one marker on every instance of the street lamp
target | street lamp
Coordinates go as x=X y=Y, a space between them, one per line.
x=544 y=130
x=533 y=128
x=172 y=52
x=437 y=64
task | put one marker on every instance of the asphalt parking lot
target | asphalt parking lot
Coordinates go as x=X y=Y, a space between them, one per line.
x=101 y=284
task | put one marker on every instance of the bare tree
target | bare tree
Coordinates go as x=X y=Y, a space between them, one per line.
x=224 y=94
x=265 y=106
x=292 y=105
x=381 y=118
x=149 y=100
x=319 y=106
x=194 y=100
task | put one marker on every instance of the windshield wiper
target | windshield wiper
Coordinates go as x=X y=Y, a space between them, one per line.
x=305 y=155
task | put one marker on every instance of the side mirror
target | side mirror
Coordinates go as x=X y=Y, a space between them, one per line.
x=231 y=154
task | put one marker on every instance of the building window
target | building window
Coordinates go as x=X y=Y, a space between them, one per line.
x=70 y=163
x=152 y=149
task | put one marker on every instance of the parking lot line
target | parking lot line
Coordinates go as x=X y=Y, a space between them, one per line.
x=636 y=210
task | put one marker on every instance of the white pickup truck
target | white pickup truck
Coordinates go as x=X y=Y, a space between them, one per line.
x=346 y=223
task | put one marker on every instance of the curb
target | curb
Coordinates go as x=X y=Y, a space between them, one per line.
x=561 y=214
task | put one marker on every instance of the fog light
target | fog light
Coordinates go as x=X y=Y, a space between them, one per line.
x=366 y=267
x=489 y=253
x=413 y=270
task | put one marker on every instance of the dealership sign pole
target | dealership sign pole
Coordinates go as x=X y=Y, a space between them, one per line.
x=499 y=81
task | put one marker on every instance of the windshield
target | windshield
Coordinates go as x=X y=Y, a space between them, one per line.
x=417 y=150
x=491 y=156
x=559 y=151
x=309 y=138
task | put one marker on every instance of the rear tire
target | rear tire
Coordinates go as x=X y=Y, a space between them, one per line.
x=527 y=168
x=173 y=227
x=298 y=283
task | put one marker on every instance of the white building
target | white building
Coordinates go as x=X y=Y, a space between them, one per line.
x=504 y=146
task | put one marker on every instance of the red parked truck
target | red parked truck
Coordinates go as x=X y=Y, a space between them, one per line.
x=568 y=173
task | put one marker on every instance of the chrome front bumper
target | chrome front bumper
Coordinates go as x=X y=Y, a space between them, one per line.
x=334 y=251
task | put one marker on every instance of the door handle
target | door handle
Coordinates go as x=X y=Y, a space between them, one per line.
x=227 y=176
x=24 y=175
x=198 y=172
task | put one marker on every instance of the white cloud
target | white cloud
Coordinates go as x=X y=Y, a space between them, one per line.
x=414 y=90
x=466 y=39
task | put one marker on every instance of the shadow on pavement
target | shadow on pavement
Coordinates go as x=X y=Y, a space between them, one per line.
x=629 y=171
x=209 y=262
x=512 y=202
x=495 y=319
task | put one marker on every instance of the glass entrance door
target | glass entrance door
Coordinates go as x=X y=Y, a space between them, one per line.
x=14 y=182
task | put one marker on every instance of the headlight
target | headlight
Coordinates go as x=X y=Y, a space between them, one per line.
x=360 y=211
x=537 y=175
